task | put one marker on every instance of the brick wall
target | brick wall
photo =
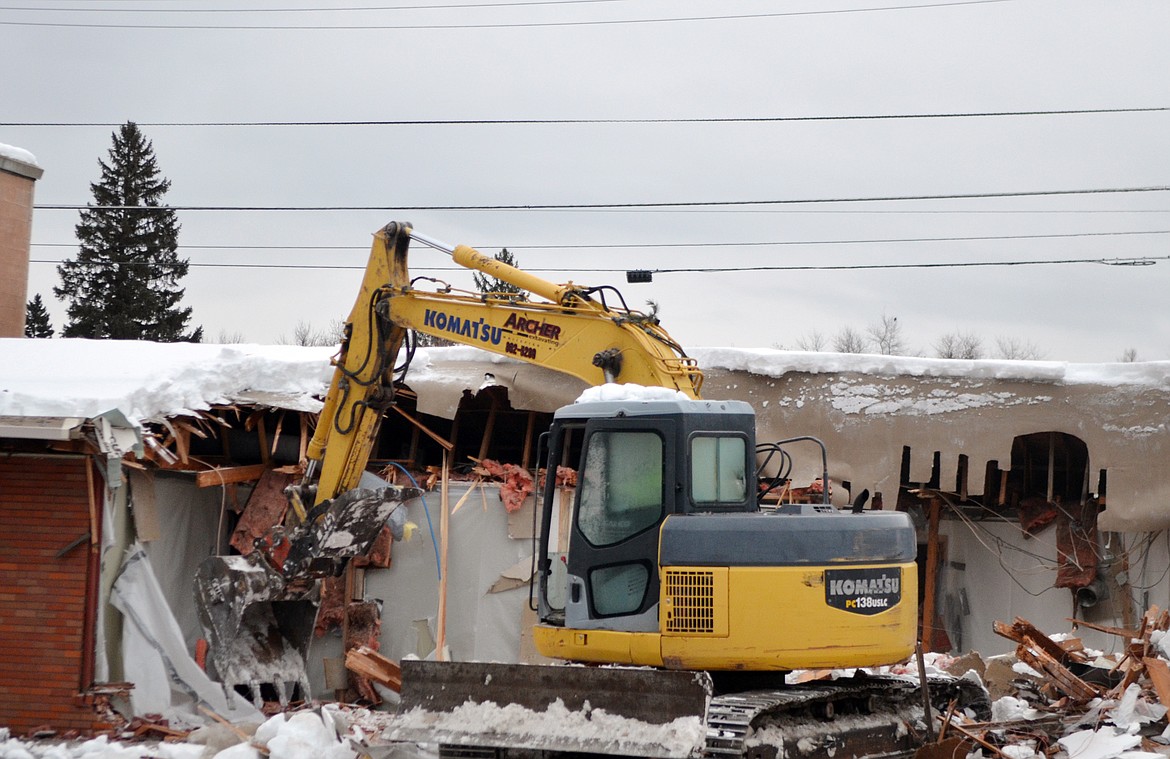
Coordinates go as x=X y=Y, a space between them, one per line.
x=44 y=506
x=16 y=210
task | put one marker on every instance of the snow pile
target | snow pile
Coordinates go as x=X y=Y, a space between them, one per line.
x=558 y=728
x=303 y=735
x=97 y=748
x=17 y=154
x=145 y=380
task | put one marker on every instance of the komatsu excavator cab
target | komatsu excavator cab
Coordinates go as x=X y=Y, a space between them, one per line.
x=639 y=462
x=664 y=558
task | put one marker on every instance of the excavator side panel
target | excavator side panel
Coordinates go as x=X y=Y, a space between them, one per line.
x=778 y=619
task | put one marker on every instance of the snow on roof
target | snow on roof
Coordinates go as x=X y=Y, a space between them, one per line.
x=18 y=154
x=776 y=363
x=145 y=380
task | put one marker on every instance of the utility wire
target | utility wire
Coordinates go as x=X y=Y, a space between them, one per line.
x=503 y=25
x=607 y=206
x=677 y=245
x=342 y=9
x=1144 y=261
x=527 y=122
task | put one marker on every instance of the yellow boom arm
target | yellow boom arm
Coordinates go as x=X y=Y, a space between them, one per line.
x=573 y=333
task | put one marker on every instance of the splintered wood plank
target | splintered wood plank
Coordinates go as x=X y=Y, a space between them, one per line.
x=226 y=475
x=368 y=663
x=1061 y=678
x=1159 y=673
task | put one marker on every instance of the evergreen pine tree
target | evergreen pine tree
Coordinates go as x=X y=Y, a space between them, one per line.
x=124 y=282
x=486 y=284
x=36 y=319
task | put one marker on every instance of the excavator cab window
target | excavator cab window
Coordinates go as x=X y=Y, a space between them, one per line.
x=621 y=486
x=718 y=470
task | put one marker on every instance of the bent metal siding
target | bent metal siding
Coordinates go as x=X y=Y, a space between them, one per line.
x=44 y=507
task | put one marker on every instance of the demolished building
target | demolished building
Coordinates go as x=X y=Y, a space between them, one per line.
x=1037 y=487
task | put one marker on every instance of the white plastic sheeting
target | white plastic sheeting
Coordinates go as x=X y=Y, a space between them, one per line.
x=166 y=679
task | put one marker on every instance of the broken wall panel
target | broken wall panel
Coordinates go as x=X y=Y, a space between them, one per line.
x=866 y=420
x=482 y=626
x=44 y=510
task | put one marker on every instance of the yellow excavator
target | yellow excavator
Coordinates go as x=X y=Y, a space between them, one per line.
x=664 y=560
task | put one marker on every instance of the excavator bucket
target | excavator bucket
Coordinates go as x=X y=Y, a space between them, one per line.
x=259 y=611
x=555 y=708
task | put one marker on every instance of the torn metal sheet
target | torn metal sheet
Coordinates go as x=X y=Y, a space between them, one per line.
x=116 y=436
x=41 y=427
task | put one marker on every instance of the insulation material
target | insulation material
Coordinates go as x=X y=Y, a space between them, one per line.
x=1076 y=544
x=166 y=678
x=516 y=483
x=1036 y=513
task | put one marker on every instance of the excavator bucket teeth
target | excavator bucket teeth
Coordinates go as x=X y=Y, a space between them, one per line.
x=594 y=710
x=255 y=640
x=259 y=618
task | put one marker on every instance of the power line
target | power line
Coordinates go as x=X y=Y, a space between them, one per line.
x=341 y=9
x=541 y=122
x=677 y=245
x=504 y=25
x=617 y=206
x=1142 y=261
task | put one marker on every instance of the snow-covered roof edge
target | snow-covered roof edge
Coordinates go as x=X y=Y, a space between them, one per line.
x=19 y=161
x=771 y=362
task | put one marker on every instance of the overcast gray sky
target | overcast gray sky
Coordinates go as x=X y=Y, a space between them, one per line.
x=623 y=59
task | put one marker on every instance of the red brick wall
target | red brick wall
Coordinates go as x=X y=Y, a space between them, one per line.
x=44 y=506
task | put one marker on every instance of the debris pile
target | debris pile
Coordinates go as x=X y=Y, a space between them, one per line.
x=1057 y=698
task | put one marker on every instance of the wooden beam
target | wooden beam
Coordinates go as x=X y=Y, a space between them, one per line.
x=370 y=664
x=447 y=446
x=226 y=475
x=529 y=433
x=444 y=533
x=263 y=433
x=488 y=430
x=1159 y=673
x=931 y=584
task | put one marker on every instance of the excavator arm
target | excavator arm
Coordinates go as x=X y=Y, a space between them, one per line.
x=574 y=331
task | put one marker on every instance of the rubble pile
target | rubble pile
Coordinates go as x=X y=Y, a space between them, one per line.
x=1055 y=697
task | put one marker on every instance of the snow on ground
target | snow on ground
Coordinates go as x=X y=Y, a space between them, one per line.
x=557 y=728
x=324 y=734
